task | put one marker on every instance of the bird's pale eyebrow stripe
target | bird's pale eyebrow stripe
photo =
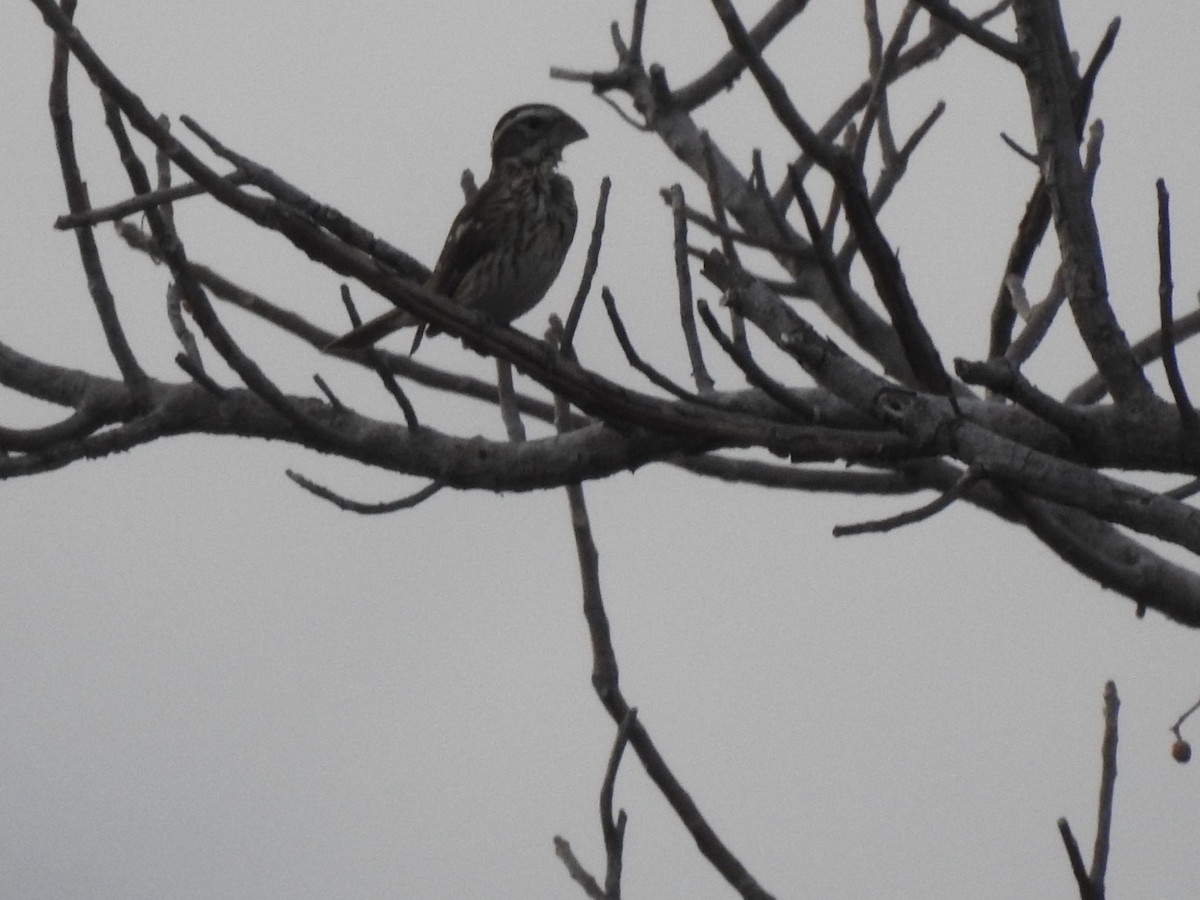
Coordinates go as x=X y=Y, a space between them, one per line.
x=527 y=112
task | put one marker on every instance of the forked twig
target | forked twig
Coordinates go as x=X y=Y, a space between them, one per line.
x=605 y=681
x=613 y=827
x=1091 y=884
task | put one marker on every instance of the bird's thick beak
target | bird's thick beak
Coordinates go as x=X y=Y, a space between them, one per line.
x=570 y=131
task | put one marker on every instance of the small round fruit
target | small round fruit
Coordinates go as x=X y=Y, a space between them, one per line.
x=1181 y=750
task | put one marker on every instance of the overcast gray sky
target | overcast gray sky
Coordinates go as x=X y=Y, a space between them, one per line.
x=214 y=685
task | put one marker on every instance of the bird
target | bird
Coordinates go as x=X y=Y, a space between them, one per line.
x=508 y=242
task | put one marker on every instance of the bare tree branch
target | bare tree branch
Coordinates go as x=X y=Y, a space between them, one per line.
x=1108 y=781
x=971 y=29
x=1166 y=288
x=1053 y=84
x=78 y=202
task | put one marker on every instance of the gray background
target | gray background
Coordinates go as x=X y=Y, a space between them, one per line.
x=214 y=685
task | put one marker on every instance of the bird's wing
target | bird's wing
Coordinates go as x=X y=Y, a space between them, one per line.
x=472 y=236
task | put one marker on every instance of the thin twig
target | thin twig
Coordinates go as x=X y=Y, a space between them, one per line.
x=591 y=262
x=683 y=276
x=1041 y=317
x=348 y=303
x=162 y=163
x=1018 y=149
x=386 y=375
x=605 y=681
x=753 y=372
x=78 y=202
x=509 y=414
x=727 y=69
x=923 y=52
x=880 y=65
x=324 y=388
x=1188 y=489
x=634 y=54
x=728 y=247
x=613 y=827
x=834 y=274
x=1108 y=781
x=968 y=480
x=1003 y=377
x=840 y=481
x=1145 y=351
x=1076 y=859
x=366 y=509
x=1051 y=84
x=969 y=28
x=73 y=429
x=1035 y=221
x=198 y=375
x=1187 y=413
x=580 y=875
x=758 y=180
x=142 y=202
x=179 y=325
x=889 y=178
x=1038 y=317
x=1179 y=722
x=786 y=246
x=631 y=354
x=713 y=183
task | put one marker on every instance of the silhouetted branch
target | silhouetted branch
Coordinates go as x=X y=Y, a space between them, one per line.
x=78 y=203
x=140 y=203
x=366 y=509
x=591 y=262
x=1076 y=859
x=754 y=374
x=1032 y=228
x=970 y=28
x=1166 y=315
x=969 y=478
x=1108 y=781
x=605 y=682
x=683 y=276
x=613 y=827
x=575 y=869
x=631 y=355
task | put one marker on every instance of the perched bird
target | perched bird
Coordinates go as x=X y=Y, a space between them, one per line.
x=508 y=242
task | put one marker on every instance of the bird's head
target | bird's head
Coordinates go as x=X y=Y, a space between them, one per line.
x=533 y=134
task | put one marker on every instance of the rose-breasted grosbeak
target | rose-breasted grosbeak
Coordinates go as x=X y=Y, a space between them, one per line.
x=508 y=242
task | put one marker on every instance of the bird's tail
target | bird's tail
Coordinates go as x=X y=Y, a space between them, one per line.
x=369 y=332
